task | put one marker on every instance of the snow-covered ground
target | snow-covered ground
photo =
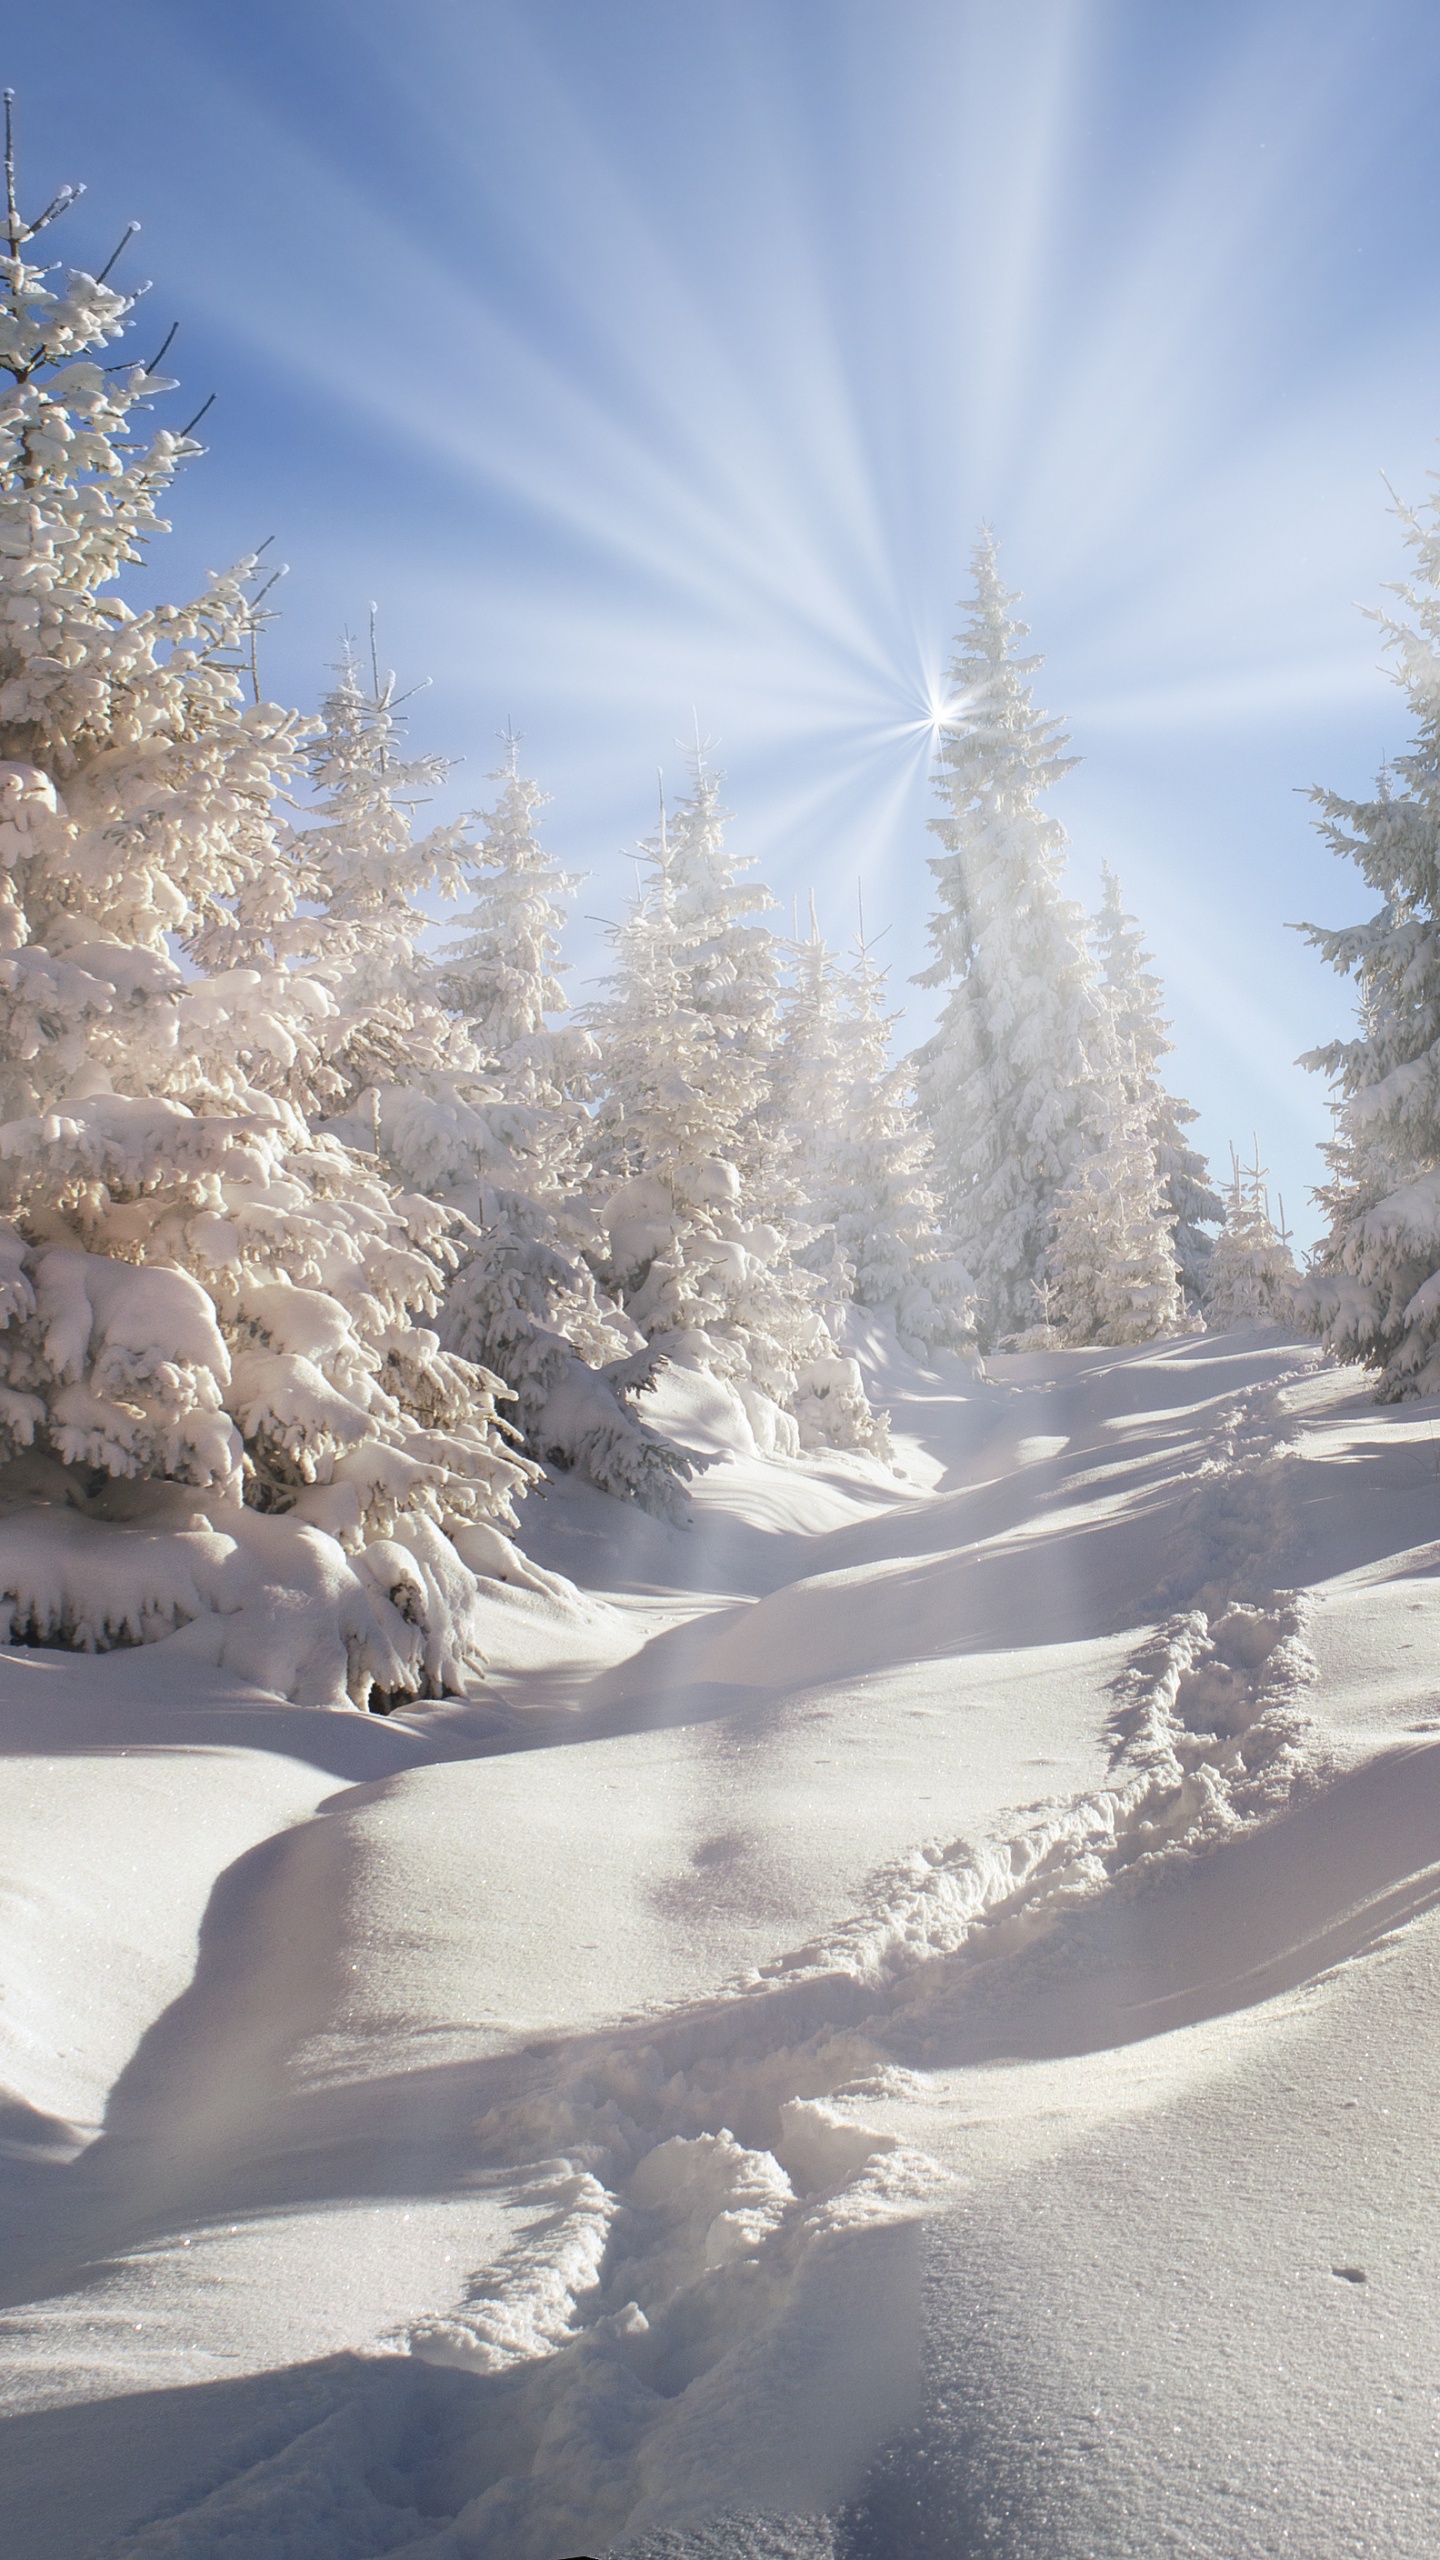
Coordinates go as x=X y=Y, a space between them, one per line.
x=903 y=2028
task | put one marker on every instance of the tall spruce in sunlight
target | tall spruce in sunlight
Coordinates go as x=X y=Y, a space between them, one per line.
x=1008 y=1083
x=1136 y=1040
x=864 y=1201
x=1374 y=1294
x=209 y=1313
x=678 y=1157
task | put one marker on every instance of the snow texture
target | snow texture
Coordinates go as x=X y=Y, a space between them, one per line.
x=585 y=2121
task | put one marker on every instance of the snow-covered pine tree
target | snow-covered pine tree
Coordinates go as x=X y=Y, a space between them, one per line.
x=501 y=964
x=730 y=962
x=859 y=1159
x=447 y=1070
x=1008 y=1081
x=1364 y=1168
x=219 y=1400
x=364 y=869
x=1113 y=1257
x=525 y=1301
x=1374 y=1291
x=1131 y=995
x=1251 y=1276
x=690 y=1255
x=806 y=1083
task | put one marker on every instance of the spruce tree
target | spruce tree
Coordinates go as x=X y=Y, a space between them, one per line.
x=1251 y=1277
x=1113 y=1258
x=525 y=1300
x=691 y=1254
x=730 y=958
x=1008 y=1082
x=213 y=1316
x=364 y=869
x=448 y=1071
x=1136 y=1041
x=863 y=1193
x=730 y=963
x=1375 y=1291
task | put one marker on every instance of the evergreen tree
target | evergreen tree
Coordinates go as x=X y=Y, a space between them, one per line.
x=1251 y=1277
x=1137 y=1041
x=809 y=1082
x=1374 y=1293
x=691 y=1255
x=732 y=964
x=731 y=960
x=525 y=1300
x=364 y=869
x=1008 y=1083
x=501 y=968
x=867 y=1211
x=210 y=1313
x=452 y=1076
x=1113 y=1258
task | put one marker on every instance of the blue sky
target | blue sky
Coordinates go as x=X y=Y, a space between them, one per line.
x=656 y=359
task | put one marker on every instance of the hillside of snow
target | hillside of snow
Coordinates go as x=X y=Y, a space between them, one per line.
x=899 y=2024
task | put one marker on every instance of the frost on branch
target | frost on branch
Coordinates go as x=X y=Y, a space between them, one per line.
x=267 y=1344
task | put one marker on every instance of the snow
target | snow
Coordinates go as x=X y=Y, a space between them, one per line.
x=892 y=2022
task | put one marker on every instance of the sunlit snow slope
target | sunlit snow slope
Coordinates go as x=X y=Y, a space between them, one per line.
x=905 y=2027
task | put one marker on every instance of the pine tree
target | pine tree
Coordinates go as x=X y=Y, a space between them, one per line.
x=218 y=1391
x=1113 y=1258
x=1137 y=1041
x=501 y=964
x=691 y=1255
x=730 y=964
x=524 y=1301
x=1251 y=1276
x=864 y=1200
x=808 y=1082
x=1007 y=1084
x=1374 y=1294
x=364 y=869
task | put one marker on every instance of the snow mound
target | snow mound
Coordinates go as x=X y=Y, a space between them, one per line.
x=274 y=1602
x=314 y=1635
